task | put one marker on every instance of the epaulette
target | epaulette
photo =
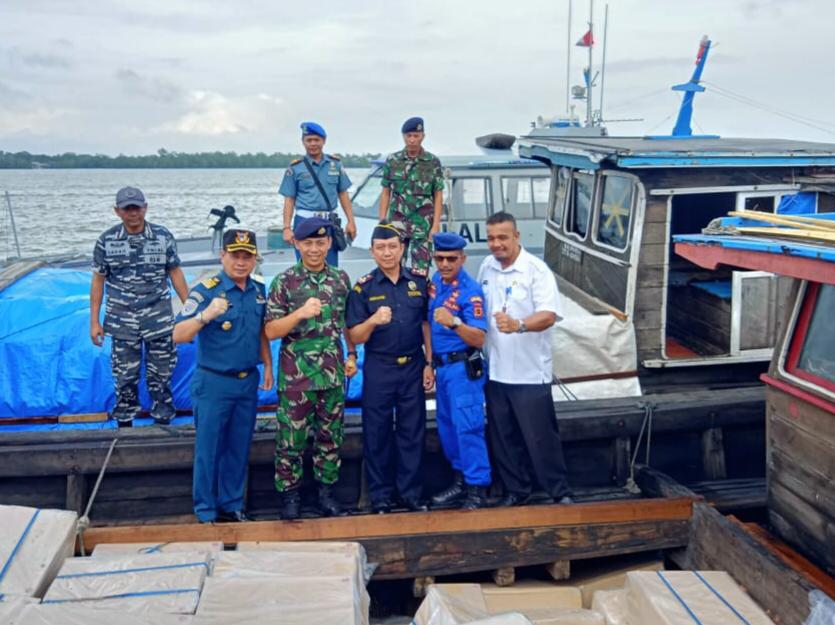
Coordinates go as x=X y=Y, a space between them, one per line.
x=335 y=157
x=365 y=278
x=296 y=162
x=257 y=277
x=210 y=283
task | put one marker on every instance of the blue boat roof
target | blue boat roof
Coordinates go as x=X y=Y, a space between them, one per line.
x=495 y=160
x=761 y=244
x=651 y=152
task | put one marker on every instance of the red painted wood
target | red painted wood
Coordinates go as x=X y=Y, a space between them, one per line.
x=794 y=391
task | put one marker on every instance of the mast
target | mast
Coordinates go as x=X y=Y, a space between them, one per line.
x=685 y=113
x=568 y=64
x=603 y=64
x=590 y=75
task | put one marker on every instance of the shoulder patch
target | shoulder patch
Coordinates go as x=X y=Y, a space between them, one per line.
x=357 y=288
x=257 y=277
x=296 y=161
x=364 y=279
x=210 y=283
x=335 y=157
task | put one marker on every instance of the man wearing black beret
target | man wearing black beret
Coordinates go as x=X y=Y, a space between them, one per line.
x=412 y=197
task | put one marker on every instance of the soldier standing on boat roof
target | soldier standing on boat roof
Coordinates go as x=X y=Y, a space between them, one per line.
x=522 y=305
x=226 y=313
x=306 y=309
x=312 y=185
x=456 y=311
x=387 y=311
x=136 y=259
x=412 y=196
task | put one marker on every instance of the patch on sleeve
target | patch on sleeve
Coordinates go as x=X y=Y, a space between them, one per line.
x=478 y=308
x=432 y=290
x=190 y=307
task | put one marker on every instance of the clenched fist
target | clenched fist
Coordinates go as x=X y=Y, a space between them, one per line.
x=382 y=316
x=505 y=323
x=312 y=307
x=215 y=309
x=443 y=316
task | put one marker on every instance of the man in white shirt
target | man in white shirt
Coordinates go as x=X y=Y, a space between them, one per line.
x=522 y=305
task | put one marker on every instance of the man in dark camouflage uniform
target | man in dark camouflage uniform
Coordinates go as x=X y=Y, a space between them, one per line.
x=412 y=197
x=135 y=259
x=306 y=308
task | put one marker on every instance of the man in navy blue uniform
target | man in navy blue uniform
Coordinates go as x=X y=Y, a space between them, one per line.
x=312 y=185
x=226 y=313
x=456 y=310
x=387 y=311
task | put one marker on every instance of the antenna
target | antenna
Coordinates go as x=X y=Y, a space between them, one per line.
x=568 y=63
x=603 y=64
x=590 y=79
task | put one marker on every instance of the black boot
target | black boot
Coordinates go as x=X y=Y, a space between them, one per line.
x=476 y=498
x=453 y=493
x=290 y=505
x=328 y=505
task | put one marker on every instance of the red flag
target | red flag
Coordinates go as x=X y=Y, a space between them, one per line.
x=586 y=41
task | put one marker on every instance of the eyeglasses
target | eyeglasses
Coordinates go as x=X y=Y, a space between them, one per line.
x=440 y=259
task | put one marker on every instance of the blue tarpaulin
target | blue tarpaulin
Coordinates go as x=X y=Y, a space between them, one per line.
x=798 y=204
x=48 y=364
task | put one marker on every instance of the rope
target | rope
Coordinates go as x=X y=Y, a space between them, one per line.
x=84 y=521
x=649 y=411
x=20 y=540
x=569 y=394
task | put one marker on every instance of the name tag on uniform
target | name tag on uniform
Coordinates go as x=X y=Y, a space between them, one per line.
x=376 y=298
x=117 y=249
x=415 y=293
x=153 y=252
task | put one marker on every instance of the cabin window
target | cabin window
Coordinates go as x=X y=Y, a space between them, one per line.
x=562 y=181
x=615 y=212
x=579 y=210
x=366 y=201
x=812 y=353
x=471 y=199
x=525 y=197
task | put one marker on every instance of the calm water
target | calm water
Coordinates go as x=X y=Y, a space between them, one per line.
x=64 y=210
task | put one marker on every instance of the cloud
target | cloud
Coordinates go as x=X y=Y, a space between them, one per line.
x=12 y=97
x=153 y=88
x=214 y=114
x=36 y=121
x=48 y=61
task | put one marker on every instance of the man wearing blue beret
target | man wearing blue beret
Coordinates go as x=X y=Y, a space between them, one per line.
x=313 y=185
x=412 y=197
x=459 y=325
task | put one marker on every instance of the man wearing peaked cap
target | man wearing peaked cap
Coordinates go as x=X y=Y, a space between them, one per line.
x=459 y=325
x=412 y=195
x=313 y=185
x=226 y=311
x=306 y=309
x=136 y=259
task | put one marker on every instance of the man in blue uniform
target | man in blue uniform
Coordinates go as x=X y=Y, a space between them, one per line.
x=226 y=312
x=456 y=310
x=136 y=259
x=312 y=185
x=387 y=311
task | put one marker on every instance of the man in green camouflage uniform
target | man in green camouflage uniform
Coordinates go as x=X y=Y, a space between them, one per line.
x=306 y=309
x=412 y=197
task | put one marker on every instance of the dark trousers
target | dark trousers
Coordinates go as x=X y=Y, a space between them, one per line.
x=525 y=438
x=393 y=427
x=126 y=360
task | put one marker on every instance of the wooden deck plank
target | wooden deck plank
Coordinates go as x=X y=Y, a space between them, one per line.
x=411 y=524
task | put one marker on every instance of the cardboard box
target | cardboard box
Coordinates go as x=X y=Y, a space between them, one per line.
x=69 y=614
x=609 y=575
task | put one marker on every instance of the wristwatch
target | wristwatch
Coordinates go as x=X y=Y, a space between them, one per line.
x=522 y=327
x=199 y=317
x=456 y=321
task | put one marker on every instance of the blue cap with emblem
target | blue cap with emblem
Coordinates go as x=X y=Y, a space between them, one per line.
x=449 y=242
x=312 y=228
x=413 y=124
x=312 y=128
x=129 y=196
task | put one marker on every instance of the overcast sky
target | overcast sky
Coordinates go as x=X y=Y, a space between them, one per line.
x=131 y=77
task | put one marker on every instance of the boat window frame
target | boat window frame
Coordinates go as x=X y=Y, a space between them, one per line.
x=489 y=203
x=369 y=179
x=569 y=204
x=556 y=172
x=532 y=205
x=797 y=339
x=598 y=209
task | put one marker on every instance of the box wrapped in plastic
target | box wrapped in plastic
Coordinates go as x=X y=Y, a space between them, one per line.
x=236 y=564
x=510 y=618
x=71 y=614
x=608 y=574
x=452 y=604
x=163 y=582
x=530 y=594
x=823 y=609
x=120 y=550
x=612 y=605
x=676 y=597
x=253 y=600
x=33 y=544
x=562 y=616
x=354 y=549
x=10 y=608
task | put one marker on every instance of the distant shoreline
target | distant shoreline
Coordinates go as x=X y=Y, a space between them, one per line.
x=164 y=159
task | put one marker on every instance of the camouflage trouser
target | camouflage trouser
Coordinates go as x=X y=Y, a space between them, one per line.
x=416 y=226
x=126 y=359
x=300 y=414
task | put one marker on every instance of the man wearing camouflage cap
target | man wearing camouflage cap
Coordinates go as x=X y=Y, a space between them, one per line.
x=306 y=309
x=136 y=259
x=412 y=196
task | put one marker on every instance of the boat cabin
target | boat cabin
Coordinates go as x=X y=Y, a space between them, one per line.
x=615 y=206
x=800 y=382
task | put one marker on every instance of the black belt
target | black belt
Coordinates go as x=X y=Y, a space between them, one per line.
x=230 y=374
x=397 y=360
x=439 y=360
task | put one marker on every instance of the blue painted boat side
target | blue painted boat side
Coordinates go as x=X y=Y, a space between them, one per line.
x=759 y=244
